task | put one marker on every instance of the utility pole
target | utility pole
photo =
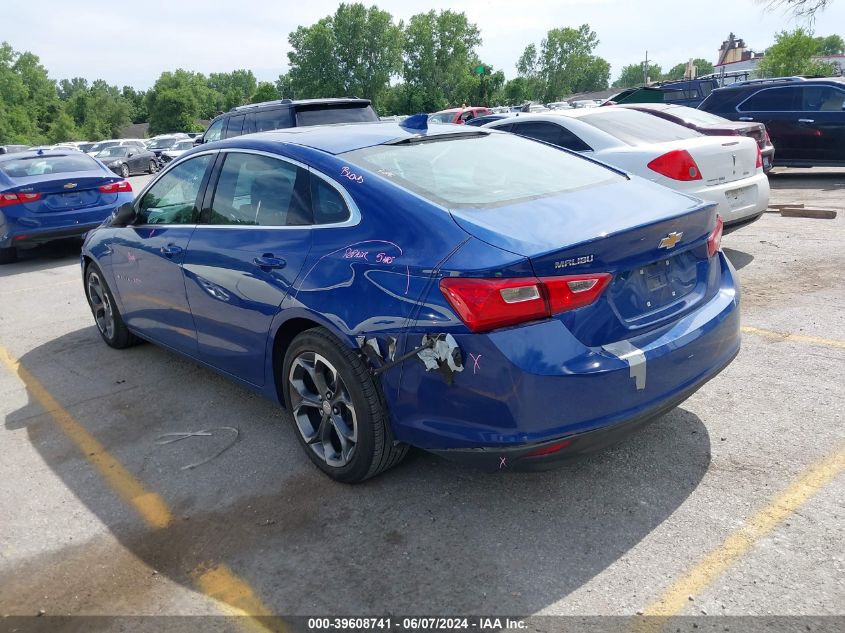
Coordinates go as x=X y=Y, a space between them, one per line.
x=645 y=70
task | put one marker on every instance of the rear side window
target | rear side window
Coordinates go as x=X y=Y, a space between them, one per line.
x=329 y=206
x=335 y=113
x=275 y=119
x=443 y=117
x=822 y=99
x=235 y=126
x=42 y=165
x=256 y=190
x=772 y=100
x=551 y=133
x=637 y=128
x=173 y=198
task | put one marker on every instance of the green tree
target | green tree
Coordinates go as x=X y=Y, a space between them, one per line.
x=174 y=110
x=566 y=63
x=792 y=54
x=265 y=92
x=354 y=52
x=234 y=88
x=137 y=105
x=69 y=87
x=830 y=45
x=632 y=75
x=284 y=87
x=702 y=67
x=439 y=55
x=517 y=91
x=62 y=129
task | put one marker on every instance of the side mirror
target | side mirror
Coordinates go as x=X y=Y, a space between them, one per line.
x=124 y=215
x=198 y=140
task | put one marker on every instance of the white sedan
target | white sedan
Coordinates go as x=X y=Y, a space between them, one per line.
x=727 y=170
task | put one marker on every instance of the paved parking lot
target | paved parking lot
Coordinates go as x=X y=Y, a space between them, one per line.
x=731 y=504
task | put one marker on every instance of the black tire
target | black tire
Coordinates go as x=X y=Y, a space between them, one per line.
x=153 y=167
x=103 y=307
x=374 y=449
x=8 y=255
x=124 y=170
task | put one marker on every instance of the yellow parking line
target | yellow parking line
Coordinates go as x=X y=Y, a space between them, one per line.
x=216 y=581
x=702 y=575
x=149 y=505
x=799 y=338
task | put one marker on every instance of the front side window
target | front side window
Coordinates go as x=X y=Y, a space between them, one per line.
x=173 y=198
x=822 y=99
x=255 y=190
x=214 y=131
x=772 y=100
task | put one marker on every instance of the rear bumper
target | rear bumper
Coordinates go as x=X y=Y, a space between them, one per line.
x=528 y=386
x=755 y=198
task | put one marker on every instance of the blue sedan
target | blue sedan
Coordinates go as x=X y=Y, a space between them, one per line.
x=469 y=292
x=51 y=194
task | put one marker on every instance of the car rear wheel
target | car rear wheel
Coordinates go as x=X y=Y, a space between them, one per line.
x=106 y=315
x=8 y=255
x=336 y=408
x=124 y=170
x=153 y=167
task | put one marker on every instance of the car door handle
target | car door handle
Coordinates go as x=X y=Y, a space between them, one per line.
x=746 y=118
x=170 y=250
x=268 y=261
x=806 y=121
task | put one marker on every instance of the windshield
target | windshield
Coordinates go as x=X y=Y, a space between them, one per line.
x=164 y=143
x=442 y=117
x=98 y=147
x=113 y=152
x=40 y=165
x=184 y=144
x=637 y=128
x=699 y=117
x=481 y=170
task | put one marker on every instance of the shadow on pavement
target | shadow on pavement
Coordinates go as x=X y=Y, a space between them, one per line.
x=426 y=537
x=44 y=256
x=806 y=179
x=739 y=259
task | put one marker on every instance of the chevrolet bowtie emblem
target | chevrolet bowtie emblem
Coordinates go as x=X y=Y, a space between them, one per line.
x=70 y=185
x=670 y=240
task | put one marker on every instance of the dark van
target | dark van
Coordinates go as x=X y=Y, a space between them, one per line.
x=805 y=118
x=276 y=115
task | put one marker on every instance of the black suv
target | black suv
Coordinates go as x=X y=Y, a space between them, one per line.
x=805 y=118
x=276 y=115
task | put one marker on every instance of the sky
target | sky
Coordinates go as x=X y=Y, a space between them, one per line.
x=133 y=43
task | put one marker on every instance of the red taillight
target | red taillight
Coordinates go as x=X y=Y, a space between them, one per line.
x=677 y=165
x=551 y=448
x=759 y=162
x=116 y=187
x=486 y=304
x=714 y=242
x=8 y=199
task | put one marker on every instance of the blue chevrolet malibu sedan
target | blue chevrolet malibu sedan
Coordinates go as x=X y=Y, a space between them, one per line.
x=469 y=292
x=52 y=194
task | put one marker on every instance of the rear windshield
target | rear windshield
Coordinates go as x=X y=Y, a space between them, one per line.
x=336 y=113
x=637 y=128
x=97 y=147
x=39 y=165
x=118 y=150
x=481 y=170
x=699 y=117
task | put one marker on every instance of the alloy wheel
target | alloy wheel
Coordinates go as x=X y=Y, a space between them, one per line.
x=322 y=409
x=100 y=305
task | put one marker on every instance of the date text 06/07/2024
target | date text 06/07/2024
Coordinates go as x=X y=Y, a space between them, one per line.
x=414 y=624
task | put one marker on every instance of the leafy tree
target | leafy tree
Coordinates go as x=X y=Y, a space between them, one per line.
x=174 y=109
x=265 y=92
x=439 y=55
x=791 y=54
x=234 y=88
x=702 y=67
x=632 y=75
x=284 y=87
x=517 y=90
x=567 y=65
x=137 y=105
x=830 y=45
x=354 y=52
x=69 y=87
x=62 y=129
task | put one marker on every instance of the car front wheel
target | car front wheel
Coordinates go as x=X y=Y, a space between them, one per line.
x=153 y=167
x=337 y=412
x=124 y=170
x=106 y=315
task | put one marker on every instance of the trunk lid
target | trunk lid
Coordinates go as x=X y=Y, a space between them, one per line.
x=720 y=159
x=651 y=239
x=73 y=190
x=755 y=131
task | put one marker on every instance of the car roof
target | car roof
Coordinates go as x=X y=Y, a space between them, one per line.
x=298 y=102
x=40 y=153
x=755 y=84
x=341 y=137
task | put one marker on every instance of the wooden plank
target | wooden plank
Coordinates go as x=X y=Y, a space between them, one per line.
x=791 y=205
x=821 y=214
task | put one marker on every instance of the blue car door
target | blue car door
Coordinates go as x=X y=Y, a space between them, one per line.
x=147 y=256
x=243 y=259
